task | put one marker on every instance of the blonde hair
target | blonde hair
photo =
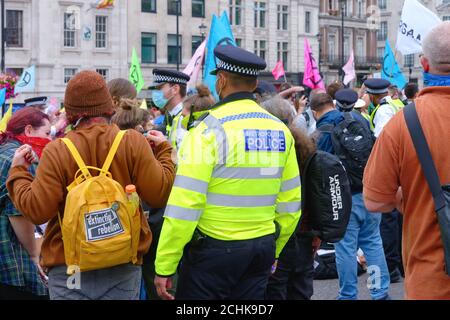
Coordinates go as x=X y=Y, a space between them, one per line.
x=201 y=101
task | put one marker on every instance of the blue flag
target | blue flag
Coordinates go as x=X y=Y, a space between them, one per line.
x=220 y=34
x=2 y=96
x=26 y=81
x=391 y=71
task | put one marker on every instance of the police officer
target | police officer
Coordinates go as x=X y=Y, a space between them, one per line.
x=346 y=100
x=236 y=198
x=391 y=223
x=168 y=92
x=384 y=107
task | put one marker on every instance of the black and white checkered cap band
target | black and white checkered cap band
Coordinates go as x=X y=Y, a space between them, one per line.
x=169 y=79
x=222 y=65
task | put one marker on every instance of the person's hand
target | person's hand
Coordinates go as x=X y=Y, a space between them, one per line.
x=162 y=284
x=42 y=274
x=316 y=242
x=302 y=102
x=274 y=267
x=156 y=137
x=24 y=156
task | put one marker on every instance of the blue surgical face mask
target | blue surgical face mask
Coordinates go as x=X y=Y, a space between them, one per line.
x=158 y=99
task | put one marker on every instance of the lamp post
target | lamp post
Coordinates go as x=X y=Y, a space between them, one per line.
x=319 y=39
x=202 y=28
x=3 y=36
x=177 y=2
x=343 y=5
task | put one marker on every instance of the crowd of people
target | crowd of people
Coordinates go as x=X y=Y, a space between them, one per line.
x=222 y=211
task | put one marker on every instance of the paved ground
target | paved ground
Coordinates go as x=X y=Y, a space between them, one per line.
x=328 y=289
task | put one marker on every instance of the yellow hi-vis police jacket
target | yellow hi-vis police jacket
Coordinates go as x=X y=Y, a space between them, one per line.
x=237 y=174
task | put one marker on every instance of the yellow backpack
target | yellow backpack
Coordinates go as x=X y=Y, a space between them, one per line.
x=101 y=226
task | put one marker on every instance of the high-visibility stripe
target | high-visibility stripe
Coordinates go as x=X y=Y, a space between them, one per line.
x=192 y=184
x=226 y=200
x=221 y=137
x=250 y=115
x=288 y=207
x=290 y=184
x=182 y=213
x=224 y=172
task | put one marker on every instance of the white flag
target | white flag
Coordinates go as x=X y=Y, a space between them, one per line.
x=349 y=69
x=417 y=21
x=194 y=66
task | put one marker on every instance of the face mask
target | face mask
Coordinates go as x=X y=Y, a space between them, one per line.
x=36 y=143
x=158 y=99
x=218 y=90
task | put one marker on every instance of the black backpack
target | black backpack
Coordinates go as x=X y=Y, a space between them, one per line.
x=352 y=143
x=326 y=196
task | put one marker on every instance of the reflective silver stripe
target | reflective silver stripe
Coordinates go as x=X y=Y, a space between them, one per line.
x=288 y=207
x=290 y=184
x=221 y=137
x=182 y=213
x=226 y=200
x=224 y=172
x=188 y=183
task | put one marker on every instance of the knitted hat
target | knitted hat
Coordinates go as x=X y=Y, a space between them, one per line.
x=87 y=95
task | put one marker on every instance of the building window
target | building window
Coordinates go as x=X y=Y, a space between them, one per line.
x=69 y=30
x=331 y=47
x=359 y=48
x=14 y=28
x=196 y=42
x=198 y=8
x=380 y=54
x=172 y=7
x=346 y=47
x=148 y=6
x=238 y=42
x=307 y=22
x=409 y=60
x=260 y=48
x=172 y=49
x=383 y=31
x=235 y=12
x=260 y=14
x=148 y=47
x=101 y=31
x=68 y=74
x=445 y=18
x=103 y=73
x=382 y=4
x=361 y=9
x=282 y=21
x=14 y=71
x=282 y=53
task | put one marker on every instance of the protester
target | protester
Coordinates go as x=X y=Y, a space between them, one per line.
x=333 y=88
x=264 y=91
x=294 y=275
x=21 y=277
x=121 y=89
x=195 y=105
x=394 y=177
x=280 y=108
x=226 y=200
x=363 y=228
x=130 y=116
x=411 y=92
x=89 y=108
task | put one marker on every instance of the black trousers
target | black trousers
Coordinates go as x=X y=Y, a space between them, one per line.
x=391 y=234
x=226 y=270
x=294 y=276
x=8 y=292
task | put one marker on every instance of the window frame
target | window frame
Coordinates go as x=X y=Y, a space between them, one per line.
x=18 y=29
x=154 y=46
x=180 y=47
x=103 y=33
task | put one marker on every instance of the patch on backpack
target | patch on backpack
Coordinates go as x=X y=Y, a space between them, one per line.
x=102 y=224
x=265 y=140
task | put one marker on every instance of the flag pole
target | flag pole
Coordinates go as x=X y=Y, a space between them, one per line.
x=284 y=75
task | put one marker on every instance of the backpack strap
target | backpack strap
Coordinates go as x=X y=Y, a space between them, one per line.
x=327 y=128
x=112 y=152
x=424 y=155
x=78 y=159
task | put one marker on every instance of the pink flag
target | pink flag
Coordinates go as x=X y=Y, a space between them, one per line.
x=194 y=66
x=311 y=77
x=278 y=71
x=349 y=69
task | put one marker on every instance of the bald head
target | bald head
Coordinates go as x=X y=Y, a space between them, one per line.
x=436 y=49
